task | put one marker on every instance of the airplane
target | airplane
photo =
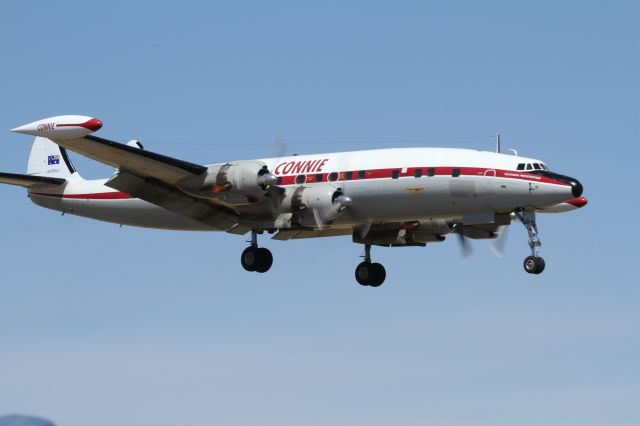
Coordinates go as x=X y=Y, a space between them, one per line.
x=382 y=197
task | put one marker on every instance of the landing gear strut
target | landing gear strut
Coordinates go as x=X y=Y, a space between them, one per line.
x=254 y=258
x=370 y=274
x=533 y=264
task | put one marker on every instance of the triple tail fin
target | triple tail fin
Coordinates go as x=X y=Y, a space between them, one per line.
x=48 y=159
x=49 y=165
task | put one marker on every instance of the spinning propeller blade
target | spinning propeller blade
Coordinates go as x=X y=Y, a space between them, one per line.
x=465 y=247
x=366 y=228
x=499 y=244
x=316 y=216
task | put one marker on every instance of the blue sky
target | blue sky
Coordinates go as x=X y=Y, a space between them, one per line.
x=101 y=325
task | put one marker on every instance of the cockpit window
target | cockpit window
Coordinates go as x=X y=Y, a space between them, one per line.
x=544 y=166
x=529 y=166
x=520 y=166
x=537 y=166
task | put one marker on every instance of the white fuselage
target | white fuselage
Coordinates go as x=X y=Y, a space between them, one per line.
x=383 y=185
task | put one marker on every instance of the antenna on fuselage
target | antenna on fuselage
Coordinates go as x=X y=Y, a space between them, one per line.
x=498 y=142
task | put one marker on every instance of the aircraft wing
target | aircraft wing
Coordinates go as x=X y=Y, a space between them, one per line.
x=138 y=161
x=153 y=177
x=171 y=198
x=29 y=181
x=170 y=183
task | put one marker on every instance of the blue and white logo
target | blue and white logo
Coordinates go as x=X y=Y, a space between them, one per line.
x=53 y=159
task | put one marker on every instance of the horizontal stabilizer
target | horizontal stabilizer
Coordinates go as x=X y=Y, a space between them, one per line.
x=29 y=181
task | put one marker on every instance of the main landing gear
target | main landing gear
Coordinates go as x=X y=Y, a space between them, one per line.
x=533 y=264
x=370 y=274
x=254 y=258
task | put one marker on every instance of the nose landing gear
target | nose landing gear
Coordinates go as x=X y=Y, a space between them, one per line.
x=254 y=258
x=370 y=274
x=533 y=264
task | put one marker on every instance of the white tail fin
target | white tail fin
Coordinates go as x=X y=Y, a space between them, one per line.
x=51 y=160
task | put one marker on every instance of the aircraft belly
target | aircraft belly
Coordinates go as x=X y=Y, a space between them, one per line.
x=131 y=212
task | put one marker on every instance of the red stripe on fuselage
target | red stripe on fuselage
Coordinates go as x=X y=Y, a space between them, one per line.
x=439 y=171
x=355 y=175
x=94 y=196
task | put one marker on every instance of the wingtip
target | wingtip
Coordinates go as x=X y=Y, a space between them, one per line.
x=61 y=127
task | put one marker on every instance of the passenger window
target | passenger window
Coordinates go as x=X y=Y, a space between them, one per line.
x=348 y=175
x=333 y=176
x=455 y=172
x=395 y=174
x=319 y=177
x=529 y=166
x=520 y=166
x=431 y=172
x=417 y=173
x=361 y=174
x=300 y=178
x=537 y=166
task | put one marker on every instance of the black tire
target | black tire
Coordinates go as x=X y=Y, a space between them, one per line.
x=266 y=260
x=379 y=275
x=530 y=264
x=363 y=273
x=251 y=258
x=541 y=265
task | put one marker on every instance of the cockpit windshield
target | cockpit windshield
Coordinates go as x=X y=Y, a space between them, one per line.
x=532 y=166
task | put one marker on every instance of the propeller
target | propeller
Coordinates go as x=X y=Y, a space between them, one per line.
x=465 y=247
x=499 y=244
x=319 y=224
x=279 y=147
x=366 y=228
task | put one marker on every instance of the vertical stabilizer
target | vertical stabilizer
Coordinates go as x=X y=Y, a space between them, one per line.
x=49 y=159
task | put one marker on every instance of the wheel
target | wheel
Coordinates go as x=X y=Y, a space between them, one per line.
x=379 y=274
x=266 y=260
x=363 y=273
x=251 y=258
x=531 y=264
x=534 y=264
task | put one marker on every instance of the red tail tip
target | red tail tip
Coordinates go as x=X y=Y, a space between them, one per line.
x=94 y=124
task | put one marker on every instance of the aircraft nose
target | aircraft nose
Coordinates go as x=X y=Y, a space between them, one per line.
x=576 y=187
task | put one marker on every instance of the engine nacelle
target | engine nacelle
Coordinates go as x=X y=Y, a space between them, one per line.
x=429 y=231
x=245 y=177
x=240 y=181
x=314 y=206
